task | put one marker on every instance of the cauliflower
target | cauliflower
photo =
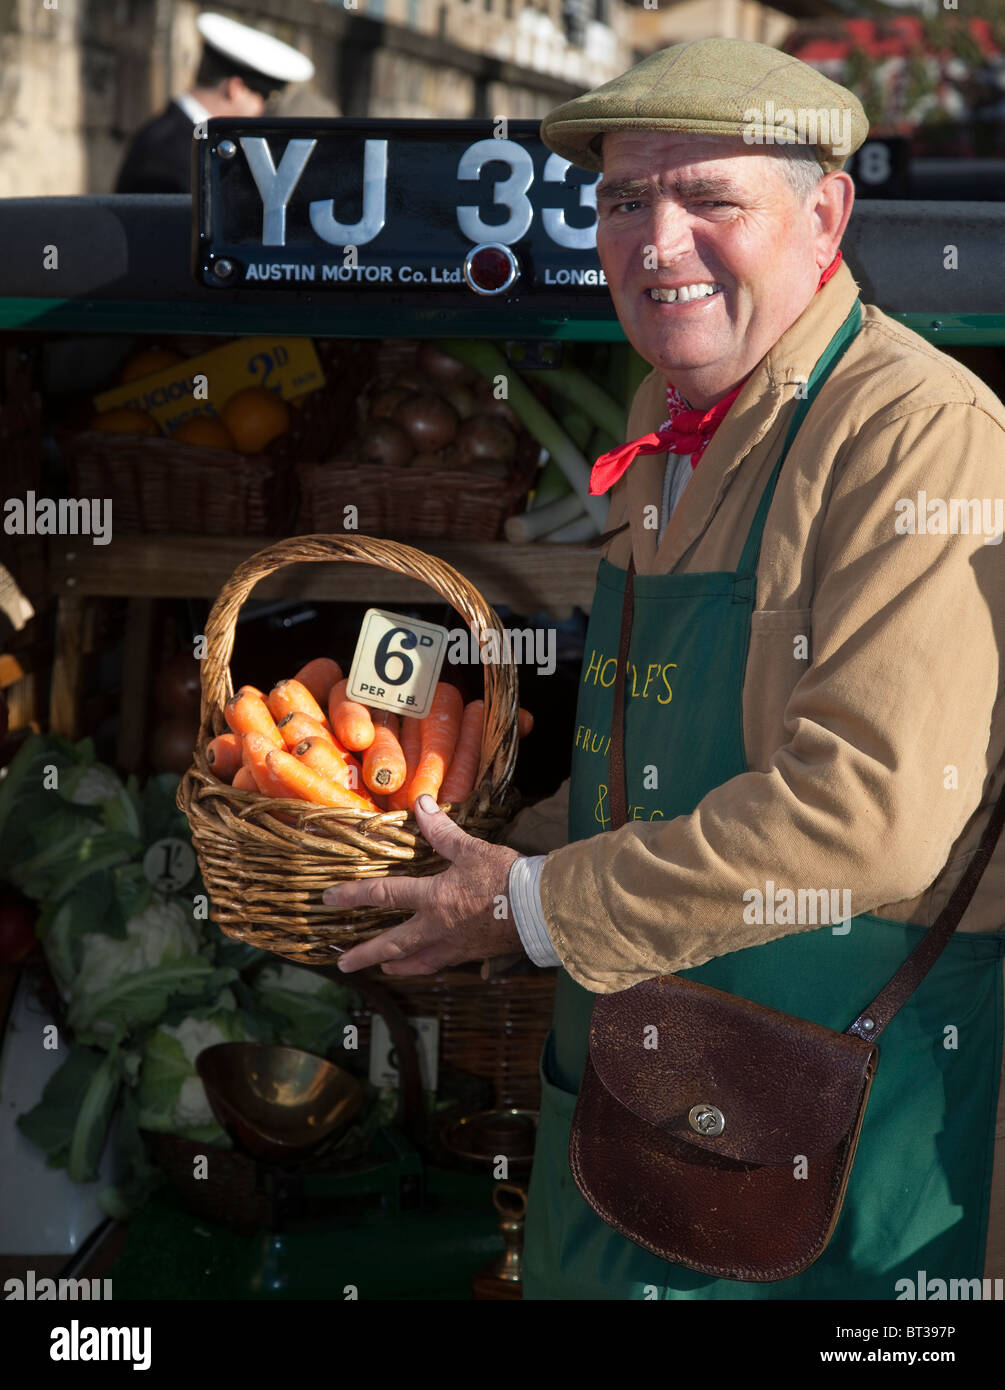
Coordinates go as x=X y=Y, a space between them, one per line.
x=172 y=1099
x=161 y=935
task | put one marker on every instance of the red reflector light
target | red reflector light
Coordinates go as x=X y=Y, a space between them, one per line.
x=490 y=268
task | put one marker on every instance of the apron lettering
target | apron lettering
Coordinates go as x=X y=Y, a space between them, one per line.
x=671 y=666
x=611 y=661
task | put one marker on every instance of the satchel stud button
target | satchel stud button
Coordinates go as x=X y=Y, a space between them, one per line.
x=868 y=1024
x=706 y=1120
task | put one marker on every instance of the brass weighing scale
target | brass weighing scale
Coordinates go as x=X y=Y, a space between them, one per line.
x=318 y=1214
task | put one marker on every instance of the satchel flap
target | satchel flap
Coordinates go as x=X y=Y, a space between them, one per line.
x=781 y=1086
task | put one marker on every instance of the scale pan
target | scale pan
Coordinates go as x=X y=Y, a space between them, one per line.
x=277 y=1102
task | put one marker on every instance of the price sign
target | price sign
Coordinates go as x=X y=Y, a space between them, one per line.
x=384 y=1061
x=397 y=663
x=169 y=864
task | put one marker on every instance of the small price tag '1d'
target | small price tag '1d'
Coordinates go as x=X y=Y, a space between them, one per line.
x=397 y=663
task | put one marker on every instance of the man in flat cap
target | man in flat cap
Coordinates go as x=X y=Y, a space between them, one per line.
x=240 y=69
x=800 y=608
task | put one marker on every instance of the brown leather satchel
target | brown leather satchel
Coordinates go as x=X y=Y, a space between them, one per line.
x=689 y=1149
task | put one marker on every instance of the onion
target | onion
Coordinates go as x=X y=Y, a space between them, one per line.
x=385 y=442
x=383 y=403
x=178 y=686
x=439 y=366
x=489 y=468
x=411 y=380
x=173 y=745
x=502 y=409
x=428 y=420
x=430 y=462
x=485 y=437
x=462 y=399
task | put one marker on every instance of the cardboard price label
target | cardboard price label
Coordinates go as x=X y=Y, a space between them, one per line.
x=384 y=1061
x=397 y=663
x=169 y=864
x=287 y=365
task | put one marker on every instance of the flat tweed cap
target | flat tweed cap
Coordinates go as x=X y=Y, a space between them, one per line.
x=714 y=87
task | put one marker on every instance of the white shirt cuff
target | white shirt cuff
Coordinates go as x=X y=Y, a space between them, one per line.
x=525 y=901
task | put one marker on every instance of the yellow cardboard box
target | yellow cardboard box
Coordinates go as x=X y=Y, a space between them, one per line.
x=202 y=385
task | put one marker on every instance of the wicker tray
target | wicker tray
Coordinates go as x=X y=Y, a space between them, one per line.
x=159 y=485
x=266 y=862
x=402 y=503
x=411 y=504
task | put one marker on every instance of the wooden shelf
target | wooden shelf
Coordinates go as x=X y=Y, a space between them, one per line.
x=526 y=578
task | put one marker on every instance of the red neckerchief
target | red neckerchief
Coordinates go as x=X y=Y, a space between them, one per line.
x=686 y=431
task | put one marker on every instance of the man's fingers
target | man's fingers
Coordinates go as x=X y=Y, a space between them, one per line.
x=427 y=962
x=392 y=945
x=438 y=830
x=394 y=891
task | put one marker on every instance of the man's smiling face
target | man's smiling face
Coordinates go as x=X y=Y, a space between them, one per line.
x=719 y=218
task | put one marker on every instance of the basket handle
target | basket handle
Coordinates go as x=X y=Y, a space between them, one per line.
x=499 y=728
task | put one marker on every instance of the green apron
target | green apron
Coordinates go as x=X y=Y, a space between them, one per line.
x=920 y=1187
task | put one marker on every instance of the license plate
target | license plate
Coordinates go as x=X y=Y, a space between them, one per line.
x=375 y=206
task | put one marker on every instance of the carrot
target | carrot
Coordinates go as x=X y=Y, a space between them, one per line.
x=223 y=754
x=319 y=676
x=290 y=697
x=256 y=751
x=384 y=766
x=322 y=756
x=524 y=722
x=247 y=713
x=295 y=727
x=304 y=782
x=411 y=747
x=460 y=779
x=243 y=780
x=440 y=730
x=351 y=722
x=251 y=690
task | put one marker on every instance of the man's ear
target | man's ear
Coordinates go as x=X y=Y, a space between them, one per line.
x=833 y=200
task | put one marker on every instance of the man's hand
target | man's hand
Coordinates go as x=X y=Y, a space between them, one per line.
x=458 y=916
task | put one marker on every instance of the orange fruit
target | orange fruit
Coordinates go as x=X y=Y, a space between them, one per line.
x=254 y=417
x=204 y=430
x=125 y=420
x=147 y=362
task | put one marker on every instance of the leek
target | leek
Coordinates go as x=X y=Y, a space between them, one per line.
x=487 y=359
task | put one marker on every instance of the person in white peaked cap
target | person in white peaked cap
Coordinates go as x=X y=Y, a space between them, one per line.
x=239 y=70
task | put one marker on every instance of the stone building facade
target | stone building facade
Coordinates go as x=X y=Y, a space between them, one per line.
x=78 y=77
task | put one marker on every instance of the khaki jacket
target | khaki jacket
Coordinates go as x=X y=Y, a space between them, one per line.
x=876 y=747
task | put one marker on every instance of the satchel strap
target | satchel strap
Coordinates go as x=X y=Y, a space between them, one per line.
x=895 y=993
x=875 y=1016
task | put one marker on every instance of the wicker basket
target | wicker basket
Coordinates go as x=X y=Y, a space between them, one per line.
x=492 y=1029
x=160 y=485
x=412 y=504
x=451 y=504
x=266 y=862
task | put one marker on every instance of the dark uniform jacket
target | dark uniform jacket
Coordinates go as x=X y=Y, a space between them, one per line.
x=159 y=158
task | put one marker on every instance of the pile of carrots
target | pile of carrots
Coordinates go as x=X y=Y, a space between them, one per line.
x=305 y=740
